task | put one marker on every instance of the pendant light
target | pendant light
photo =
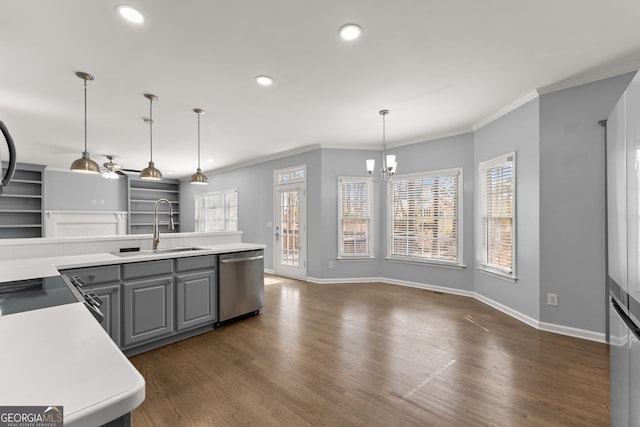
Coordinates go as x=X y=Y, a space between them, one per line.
x=85 y=164
x=151 y=173
x=199 y=178
x=389 y=163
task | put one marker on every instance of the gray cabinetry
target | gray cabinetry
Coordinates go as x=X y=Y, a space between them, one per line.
x=142 y=198
x=196 y=292
x=110 y=296
x=105 y=282
x=21 y=203
x=147 y=303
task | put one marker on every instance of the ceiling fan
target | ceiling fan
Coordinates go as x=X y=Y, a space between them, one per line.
x=112 y=170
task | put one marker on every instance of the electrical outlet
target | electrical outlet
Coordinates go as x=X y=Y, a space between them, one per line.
x=330 y=264
x=552 y=299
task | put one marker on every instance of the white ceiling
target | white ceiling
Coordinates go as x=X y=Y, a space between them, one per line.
x=440 y=67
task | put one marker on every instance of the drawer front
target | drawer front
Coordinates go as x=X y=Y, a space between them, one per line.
x=147 y=268
x=206 y=262
x=95 y=275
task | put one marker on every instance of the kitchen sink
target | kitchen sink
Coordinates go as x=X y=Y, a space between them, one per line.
x=156 y=251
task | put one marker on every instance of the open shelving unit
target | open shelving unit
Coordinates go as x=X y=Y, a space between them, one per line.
x=21 y=203
x=142 y=198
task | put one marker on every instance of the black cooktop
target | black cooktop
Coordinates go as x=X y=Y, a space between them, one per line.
x=32 y=294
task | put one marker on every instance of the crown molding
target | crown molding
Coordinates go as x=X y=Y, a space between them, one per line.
x=258 y=160
x=591 y=76
x=505 y=110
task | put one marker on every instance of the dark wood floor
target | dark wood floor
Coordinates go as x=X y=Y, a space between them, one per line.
x=374 y=355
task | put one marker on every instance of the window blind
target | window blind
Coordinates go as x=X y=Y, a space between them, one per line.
x=498 y=214
x=217 y=211
x=425 y=216
x=354 y=211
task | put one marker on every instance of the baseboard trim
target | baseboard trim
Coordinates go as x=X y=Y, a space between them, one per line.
x=350 y=280
x=542 y=326
x=508 y=310
x=574 y=332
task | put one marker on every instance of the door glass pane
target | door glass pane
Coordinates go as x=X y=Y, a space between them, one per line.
x=289 y=226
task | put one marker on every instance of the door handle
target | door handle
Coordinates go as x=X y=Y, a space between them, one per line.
x=277 y=233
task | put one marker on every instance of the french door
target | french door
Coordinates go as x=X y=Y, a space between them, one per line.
x=290 y=230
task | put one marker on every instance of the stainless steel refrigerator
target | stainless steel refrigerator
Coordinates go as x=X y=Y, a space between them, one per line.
x=623 y=255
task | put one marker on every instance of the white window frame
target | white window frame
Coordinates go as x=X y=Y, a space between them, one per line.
x=459 y=263
x=228 y=222
x=508 y=273
x=370 y=232
x=289 y=175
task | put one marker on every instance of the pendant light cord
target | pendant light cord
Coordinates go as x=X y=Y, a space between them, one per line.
x=85 y=115
x=151 y=129
x=199 y=141
x=384 y=150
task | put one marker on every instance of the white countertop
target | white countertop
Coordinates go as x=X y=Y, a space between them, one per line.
x=61 y=356
x=41 y=267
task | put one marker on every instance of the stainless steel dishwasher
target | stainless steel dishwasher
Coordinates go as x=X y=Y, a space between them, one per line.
x=241 y=283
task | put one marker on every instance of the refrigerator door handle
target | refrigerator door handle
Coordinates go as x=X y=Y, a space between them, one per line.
x=625 y=318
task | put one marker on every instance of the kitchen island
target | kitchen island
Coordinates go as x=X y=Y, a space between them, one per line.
x=61 y=356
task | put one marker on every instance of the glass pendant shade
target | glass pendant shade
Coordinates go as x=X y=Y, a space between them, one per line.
x=199 y=178
x=110 y=175
x=151 y=173
x=84 y=164
x=371 y=164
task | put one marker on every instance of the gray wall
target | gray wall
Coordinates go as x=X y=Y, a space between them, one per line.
x=336 y=163
x=255 y=200
x=445 y=153
x=516 y=131
x=573 y=203
x=72 y=191
x=560 y=204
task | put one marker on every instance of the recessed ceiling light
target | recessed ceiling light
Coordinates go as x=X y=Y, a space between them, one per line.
x=264 y=80
x=209 y=160
x=130 y=14
x=350 y=31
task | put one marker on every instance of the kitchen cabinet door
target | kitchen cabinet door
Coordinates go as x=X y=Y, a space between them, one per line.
x=110 y=296
x=196 y=299
x=148 y=310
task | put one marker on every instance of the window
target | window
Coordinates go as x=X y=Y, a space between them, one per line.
x=498 y=195
x=355 y=204
x=217 y=211
x=293 y=174
x=424 y=216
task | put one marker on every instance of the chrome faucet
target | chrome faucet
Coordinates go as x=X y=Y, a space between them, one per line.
x=156 y=233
